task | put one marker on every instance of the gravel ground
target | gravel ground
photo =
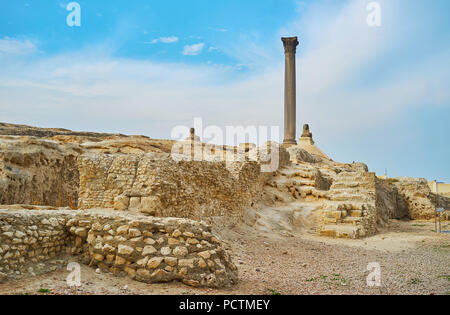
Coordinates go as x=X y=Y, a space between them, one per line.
x=413 y=260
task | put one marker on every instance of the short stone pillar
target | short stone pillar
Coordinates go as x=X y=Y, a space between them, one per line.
x=193 y=147
x=192 y=136
x=307 y=136
x=290 y=48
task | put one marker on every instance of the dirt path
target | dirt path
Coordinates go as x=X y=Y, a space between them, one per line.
x=413 y=260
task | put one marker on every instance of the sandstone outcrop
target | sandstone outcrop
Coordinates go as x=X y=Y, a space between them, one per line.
x=38 y=171
x=417 y=198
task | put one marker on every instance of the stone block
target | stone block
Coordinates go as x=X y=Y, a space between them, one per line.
x=121 y=202
x=150 y=205
x=135 y=203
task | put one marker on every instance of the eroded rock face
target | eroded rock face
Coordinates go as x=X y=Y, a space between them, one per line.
x=24 y=130
x=418 y=199
x=143 y=248
x=39 y=172
x=390 y=203
x=298 y=154
x=39 y=166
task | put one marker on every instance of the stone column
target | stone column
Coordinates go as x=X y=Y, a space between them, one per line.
x=290 y=48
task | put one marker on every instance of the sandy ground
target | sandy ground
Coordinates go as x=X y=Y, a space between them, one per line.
x=413 y=260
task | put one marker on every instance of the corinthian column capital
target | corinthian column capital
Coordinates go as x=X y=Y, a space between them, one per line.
x=290 y=44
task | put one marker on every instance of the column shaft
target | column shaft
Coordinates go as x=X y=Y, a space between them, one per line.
x=290 y=45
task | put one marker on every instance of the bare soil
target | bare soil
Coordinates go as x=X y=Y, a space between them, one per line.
x=413 y=260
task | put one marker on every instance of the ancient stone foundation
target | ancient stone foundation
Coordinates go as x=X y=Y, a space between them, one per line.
x=143 y=248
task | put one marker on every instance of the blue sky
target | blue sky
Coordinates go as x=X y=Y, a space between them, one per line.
x=378 y=95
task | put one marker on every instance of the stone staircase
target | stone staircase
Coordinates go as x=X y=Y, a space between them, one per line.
x=332 y=202
x=293 y=200
x=350 y=211
x=302 y=182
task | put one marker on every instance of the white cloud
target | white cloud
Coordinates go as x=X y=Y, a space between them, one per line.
x=164 y=40
x=144 y=97
x=11 y=46
x=192 y=50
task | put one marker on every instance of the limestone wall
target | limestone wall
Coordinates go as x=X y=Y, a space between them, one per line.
x=390 y=203
x=152 y=249
x=27 y=238
x=157 y=185
x=144 y=248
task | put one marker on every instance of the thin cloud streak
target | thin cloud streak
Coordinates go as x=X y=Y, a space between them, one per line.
x=193 y=50
x=164 y=40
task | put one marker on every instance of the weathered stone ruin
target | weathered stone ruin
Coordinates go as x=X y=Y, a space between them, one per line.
x=51 y=188
x=124 y=205
x=151 y=209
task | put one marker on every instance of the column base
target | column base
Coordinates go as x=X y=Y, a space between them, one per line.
x=289 y=142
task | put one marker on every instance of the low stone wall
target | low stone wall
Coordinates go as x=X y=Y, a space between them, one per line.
x=390 y=203
x=155 y=184
x=29 y=237
x=144 y=248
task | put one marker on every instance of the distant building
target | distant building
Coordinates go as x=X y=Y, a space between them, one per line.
x=440 y=188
